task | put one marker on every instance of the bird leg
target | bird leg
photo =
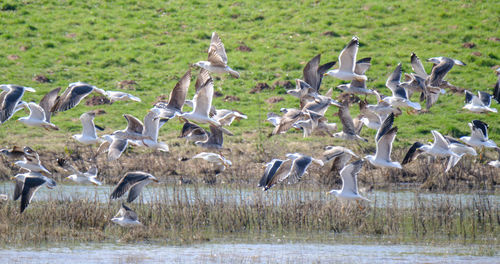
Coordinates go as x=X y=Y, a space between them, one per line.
x=359 y=205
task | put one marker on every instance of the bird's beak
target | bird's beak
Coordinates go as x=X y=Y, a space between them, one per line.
x=156 y=180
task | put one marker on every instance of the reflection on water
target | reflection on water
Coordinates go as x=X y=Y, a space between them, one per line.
x=169 y=193
x=249 y=253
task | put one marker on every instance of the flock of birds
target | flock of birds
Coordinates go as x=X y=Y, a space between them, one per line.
x=309 y=118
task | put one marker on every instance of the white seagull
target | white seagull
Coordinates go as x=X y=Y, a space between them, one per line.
x=479 y=135
x=217 y=58
x=349 y=176
x=177 y=97
x=10 y=100
x=80 y=177
x=31 y=161
x=358 y=86
x=480 y=103
x=439 y=148
x=120 y=96
x=72 y=96
x=399 y=96
x=459 y=149
x=37 y=118
x=219 y=160
x=347 y=63
x=126 y=217
x=202 y=104
x=89 y=135
x=384 y=138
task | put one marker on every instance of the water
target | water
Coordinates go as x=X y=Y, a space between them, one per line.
x=169 y=193
x=252 y=253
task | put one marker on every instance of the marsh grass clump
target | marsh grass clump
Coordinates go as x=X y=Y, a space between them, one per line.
x=179 y=217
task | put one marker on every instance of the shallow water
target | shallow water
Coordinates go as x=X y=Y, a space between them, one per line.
x=169 y=193
x=252 y=253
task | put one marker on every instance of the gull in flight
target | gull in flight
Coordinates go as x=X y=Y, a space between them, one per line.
x=369 y=118
x=440 y=148
x=193 y=132
x=478 y=104
x=349 y=176
x=399 y=96
x=177 y=97
x=313 y=72
x=150 y=130
x=350 y=131
x=382 y=108
x=89 y=135
x=126 y=217
x=459 y=149
x=358 y=86
x=72 y=96
x=10 y=100
x=442 y=65
x=120 y=96
x=219 y=160
x=133 y=182
x=275 y=171
x=27 y=184
x=339 y=155
x=300 y=163
x=31 y=161
x=202 y=104
x=217 y=58
x=80 y=177
x=37 y=118
x=226 y=117
x=385 y=137
x=347 y=63
x=479 y=135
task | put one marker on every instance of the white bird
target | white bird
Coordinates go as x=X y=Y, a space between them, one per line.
x=273 y=118
x=31 y=161
x=193 y=132
x=37 y=118
x=350 y=131
x=358 y=86
x=177 y=97
x=495 y=163
x=480 y=103
x=300 y=163
x=369 y=118
x=27 y=184
x=442 y=65
x=399 y=96
x=347 y=63
x=313 y=72
x=384 y=138
x=382 y=108
x=459 y=149
x=479 y=135
x=89 y=135
x=349 y=176
x=133 y=182
x=126 y=217
x=151 y=128
x=10 y=100
x=72 y=96
x=439 y=148
x=339 y=155
x=225 y=117
x=120 y=96
x=217 y=58
x=219 y=160
x=202 y=104
x=80 y=177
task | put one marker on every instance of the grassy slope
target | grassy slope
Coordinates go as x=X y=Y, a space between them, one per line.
x=154 y=42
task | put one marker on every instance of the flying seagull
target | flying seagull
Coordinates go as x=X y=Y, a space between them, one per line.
x=349 y=130
x=126 y=217
x=480 y=103
x=339 y=155
x=202 y=104
x=14 y=153
x=358 y=86
x=133 y=182
x=300 y=163
x=479 y=135
x=349 y=176
x=442 y=65
x=193 y=132
x=72 y=96
x=120 y=96
x=225 y=117
x=31 y=161
x=369 y=118
x=214 y=140
x=27 y=184
x=80 y=177
x=177 y=97
x=439 y=148
x=219 y=160
x=384 y=138
x=399 y=96
x=459 y=149
x=217 y=58
x=10 y=100
x=89 y=135
x=37 y=118
x=347 y=63
x=275 y=171
x=313 y=72
x=151 y=128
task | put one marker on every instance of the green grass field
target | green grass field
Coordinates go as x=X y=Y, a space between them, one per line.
x=154 y=42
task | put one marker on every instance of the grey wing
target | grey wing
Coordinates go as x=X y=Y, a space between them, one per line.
x=310 y=72
x=216 y=136
x=73 y=98
x=468 y=97
x=201 y=79
x=178 y=94
x=384 y=145
x=417 y=66
x=271 y=169
x=220 y=52
x=135 y=191
x=128 y=213
x=10 y=101
x=349 y=176
x=134 y=125
x=385 y=127
x=394 y=79
x=439 y=71
x=362 y=65
x=348 y=55
x=48 y=101
x=129 y=180
x=299 y=167
x=281 y=173
x=485 y=98
x=496 y=91
x=346 y=119
x=18 y=189
x=93 y=171
x=116 y=148
x=412 y=153
x=31 y=185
